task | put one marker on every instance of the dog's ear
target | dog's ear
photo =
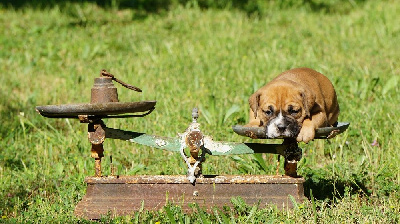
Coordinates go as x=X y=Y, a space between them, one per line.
x=308 y=101
x=254 y=100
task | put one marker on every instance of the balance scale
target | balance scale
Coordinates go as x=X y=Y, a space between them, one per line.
x=123 y=195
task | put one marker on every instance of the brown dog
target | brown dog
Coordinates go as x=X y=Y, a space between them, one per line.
x=294 y=104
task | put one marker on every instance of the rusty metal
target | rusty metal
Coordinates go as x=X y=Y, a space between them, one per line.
x=84 y=118
x=103 y=91
x=97 y=152
x=99 y=110
x=193 y=139
x=290 y=167
x=205 y=179
x=320 y=133
x=292 y=155
x=96 y=133
x=97 y=167
x=112 y=168
x=125 y=195
x=103 y=103
x=105 y=74
x=278 y=164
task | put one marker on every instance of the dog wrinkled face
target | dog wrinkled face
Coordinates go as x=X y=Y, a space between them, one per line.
x=282 y=114
x=282 y=123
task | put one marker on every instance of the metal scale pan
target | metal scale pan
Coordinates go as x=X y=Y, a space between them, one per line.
x=320 y=133
x=101 y=110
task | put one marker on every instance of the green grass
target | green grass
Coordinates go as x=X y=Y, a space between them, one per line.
x=212 y=59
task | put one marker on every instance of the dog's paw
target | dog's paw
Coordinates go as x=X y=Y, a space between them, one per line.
x=306 y=134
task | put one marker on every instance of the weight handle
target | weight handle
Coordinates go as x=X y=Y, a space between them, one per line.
x=126 y=85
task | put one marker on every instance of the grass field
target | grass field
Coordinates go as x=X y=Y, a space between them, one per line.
x=213 y=59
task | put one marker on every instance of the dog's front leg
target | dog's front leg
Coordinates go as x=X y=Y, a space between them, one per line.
x=307 y=131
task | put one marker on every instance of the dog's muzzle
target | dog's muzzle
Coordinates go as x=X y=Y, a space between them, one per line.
x=282 y=127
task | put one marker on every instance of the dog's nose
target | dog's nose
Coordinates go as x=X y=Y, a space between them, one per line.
x=281 y=127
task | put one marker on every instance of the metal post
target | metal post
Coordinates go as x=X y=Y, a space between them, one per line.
x=292 y=155
x=97 y=136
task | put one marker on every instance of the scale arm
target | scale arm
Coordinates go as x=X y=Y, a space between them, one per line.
x=166 y=143
x=234 y=148
x=173 y=144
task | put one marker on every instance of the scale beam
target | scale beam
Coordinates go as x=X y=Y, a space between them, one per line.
x=173 y=144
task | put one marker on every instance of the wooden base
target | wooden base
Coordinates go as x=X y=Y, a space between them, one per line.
x=124 y=195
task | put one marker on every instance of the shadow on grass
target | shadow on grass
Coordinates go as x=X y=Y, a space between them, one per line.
x=155 y=6
x=324 y=186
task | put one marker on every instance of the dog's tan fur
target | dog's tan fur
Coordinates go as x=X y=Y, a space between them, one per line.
x=301 y=90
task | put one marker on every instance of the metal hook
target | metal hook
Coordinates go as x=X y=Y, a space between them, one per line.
x=124 y=84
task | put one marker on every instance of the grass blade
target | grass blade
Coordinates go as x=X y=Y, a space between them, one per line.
x=170 y=215
x=235 y=108
x=206 y=114
x=251 y=214
x=221 y=217
x=260 y=161
x=391 y=83
x=294 y=202
x=314 y=207
x=203 y=218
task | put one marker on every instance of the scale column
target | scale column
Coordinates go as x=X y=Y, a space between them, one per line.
x=97 y=136
x=103 y=91
x=292 y=154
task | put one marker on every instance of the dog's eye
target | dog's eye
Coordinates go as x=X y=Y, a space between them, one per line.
x=270 y=111
x=293 y=111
